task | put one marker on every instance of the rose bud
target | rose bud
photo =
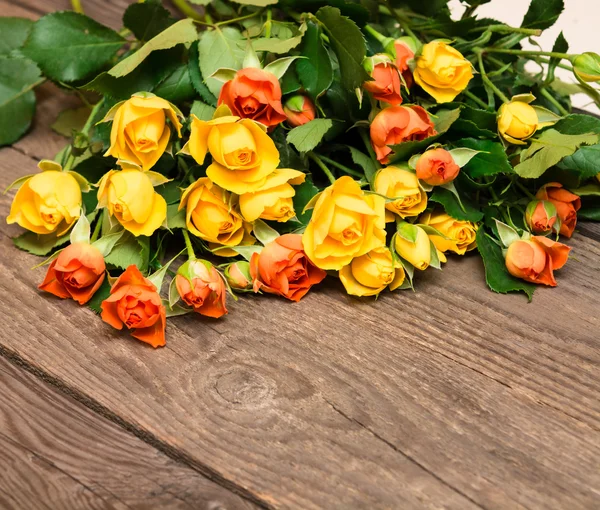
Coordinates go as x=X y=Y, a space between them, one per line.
x=517 y=121
x=587 y=66
x=299 y=110
x=134 y=302
x=254 y=94
x=238 y=275
x=541 y=217
x=371 y=273
x=458 y=236
x=283 y=268
x=386 y=83
x=399 y=124
x=417 y=253
x=536 y=259
x=76 y=273
x=403 y=50
x=567 y=204
x=437 y=167
x=401 y=186
x=201 y=286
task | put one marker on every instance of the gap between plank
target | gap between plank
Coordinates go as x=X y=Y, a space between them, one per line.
x=170 y=451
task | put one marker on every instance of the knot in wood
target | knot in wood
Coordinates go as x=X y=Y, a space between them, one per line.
x=244 y=387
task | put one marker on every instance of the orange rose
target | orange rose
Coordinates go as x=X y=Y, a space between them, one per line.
x=238 y=275
x=536 y=259
x=283 y=268
x=299 y=110
x=134 y=301
x=437 y=167
x=541 y=217
x=386 y=84
x=254 y=94
x=76 y=273
x=200 y=286
x=404 y=53
x=567 y=204
x=399 y=124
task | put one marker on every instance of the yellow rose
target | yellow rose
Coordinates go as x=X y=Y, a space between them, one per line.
x=139 y=132
x=413 y=245
x=369 y=274
x=442 y=71
x=461 y=234
x=273 y=201
x=47 y=202
x=403 y=186
x=210 y=214
x=517 y=121
x=346 y=223
x=243 y=154
x=129 y=196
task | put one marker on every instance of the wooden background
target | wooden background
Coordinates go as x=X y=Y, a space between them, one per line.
x=451 y=397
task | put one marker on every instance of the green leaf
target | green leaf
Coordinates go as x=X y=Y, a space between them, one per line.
x=13 y=33
x=280 y=44
x=71 y=120
x=560 y=46
x=106 y=243
x=177 y=87
x=577 y=124
x=452 y=206
x=315 y=71
x=130 y=250
x=69 y=46
x=146 y=20
x=462 y=155
x=264 y=233
x=39 y=244
x=349 y=45
x=443 y=120
x=585 y=161
x=304 y=194
x=365 y=162
x=80 y=233
x=491 y=160
x=18 y=77
x=507 y=234
x=196 y=76
x=542 y=14
x=496 y=275
x=202 y=110
x=170 y=191
x=280 y=66
x=591 y=212
x=219 y=48
x=182 y=32
x=591 y=189
x=175 y=218
x=548 y=149
x=94 y=167
x=100 y=295
x=257 y=3
x=306 y=137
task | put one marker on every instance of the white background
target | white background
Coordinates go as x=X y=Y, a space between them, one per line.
x=579 y=22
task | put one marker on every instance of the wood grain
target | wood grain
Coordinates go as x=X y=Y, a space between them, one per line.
x=83 y=460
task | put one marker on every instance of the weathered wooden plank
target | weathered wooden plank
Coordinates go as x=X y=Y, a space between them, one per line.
x=336 y=401
x=42 y=427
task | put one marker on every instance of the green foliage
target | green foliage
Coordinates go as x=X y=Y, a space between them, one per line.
x=177 y=87
x=217 y=49
x=496 y=275
x=315 y=71
x=452 y=206
x=304 y=193
x=202 y=110
x=100 y=295
x=197 y=78
x=39 y=244
x=13 y=33
x=542 y=14
x=17 y=100
x=491 y=160
x=365 y=162
x=69 y=46
x=306 y=137
x=130 y=250
x=585 y=161
x=71 y=120
x=146 y=20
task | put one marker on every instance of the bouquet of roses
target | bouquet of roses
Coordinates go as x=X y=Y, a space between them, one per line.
x=282 y=141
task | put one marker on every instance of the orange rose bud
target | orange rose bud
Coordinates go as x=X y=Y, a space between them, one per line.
x=134 y=302
x=567 y=204
x=386 y=84
x=238 y=275
x=200 y=286
x=541 y=217
x=299 y=110
x=536 y=259
x=76 y=273
x=437 y=167
x=399 y=124
x=404 y=49
x=283 y=268
x=254 y=94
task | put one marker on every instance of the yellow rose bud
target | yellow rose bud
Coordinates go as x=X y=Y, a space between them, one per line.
x=243 y=154
x=371 y=273
x=413 y=245
x=273 y=201
x=346 y=223
x=517 y=121
x=129 y=196
x=461 y=234
x=402 y=186
x=47 y=202
x=210 y=214
x=442 y=71
x=140 y=133
x=587 y=66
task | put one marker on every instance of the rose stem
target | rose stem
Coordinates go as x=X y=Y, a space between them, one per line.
x=322 y=166
x=188 y=245
x=553 y=100
x=530 y=53
x=487 y=80
x=97 y=229
x=475 y=99
x=344 y=168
